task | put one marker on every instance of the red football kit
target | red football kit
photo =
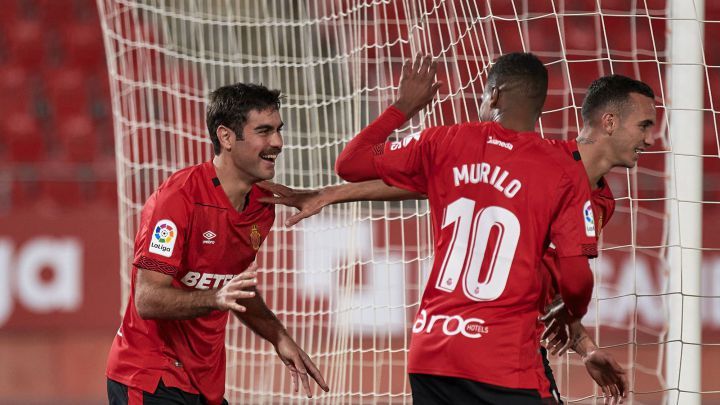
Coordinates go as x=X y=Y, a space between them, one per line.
x=603 y=204
x=190 y=231
x=498 y=199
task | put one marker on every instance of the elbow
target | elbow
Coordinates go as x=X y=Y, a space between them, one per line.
x=346 y=171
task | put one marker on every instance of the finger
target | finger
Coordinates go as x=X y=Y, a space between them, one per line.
x=433 y=67
x=606 y=392
x=426 y=62
x=245 y=276
x=564 y=348
x=407 y=67
x=436 y=86
x=297 y=218
x=305 y=380
x=314 y=372
x=294 y=377
x=277 y=189
x=416 y=63
x=550 y=330
x=239 y=295
x=236 y=307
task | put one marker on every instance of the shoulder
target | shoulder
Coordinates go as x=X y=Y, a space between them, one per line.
x=181 y=186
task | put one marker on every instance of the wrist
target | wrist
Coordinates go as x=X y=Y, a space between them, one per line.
x=404 y=107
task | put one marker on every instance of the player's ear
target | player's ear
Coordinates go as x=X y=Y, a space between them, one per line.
x=226 y=136
x=609 y=122
x=494 y=97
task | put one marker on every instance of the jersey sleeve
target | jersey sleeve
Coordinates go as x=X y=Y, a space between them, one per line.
x=405 y=163
x=573 y=229
x=604 y=203
x=161 y=238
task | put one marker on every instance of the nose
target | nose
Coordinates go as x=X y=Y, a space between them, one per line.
x=276 y=140
x=649 y=139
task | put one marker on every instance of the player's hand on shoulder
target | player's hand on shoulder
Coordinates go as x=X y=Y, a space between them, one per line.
x=417 y=85
x=309 y=202
x=241 y=286
x=608 y=375
x=299 y=364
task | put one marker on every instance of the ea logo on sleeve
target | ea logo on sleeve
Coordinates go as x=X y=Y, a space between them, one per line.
x=589 y=219
x=163 y=238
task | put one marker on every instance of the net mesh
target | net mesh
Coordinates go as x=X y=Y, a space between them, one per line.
x=347 y=282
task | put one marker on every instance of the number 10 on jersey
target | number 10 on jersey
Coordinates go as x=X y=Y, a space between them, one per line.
x=471 y=234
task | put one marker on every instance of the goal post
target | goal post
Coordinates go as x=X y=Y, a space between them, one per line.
x=686 y=83
x=347 y=282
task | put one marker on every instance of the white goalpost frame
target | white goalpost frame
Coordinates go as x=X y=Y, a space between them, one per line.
x=686 y=83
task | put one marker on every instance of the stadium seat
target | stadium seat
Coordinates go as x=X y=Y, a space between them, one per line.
x=78 y=139
x=23 y=139
x=54 y=13
x=16 y=91
x=82 y=45
x=12 y=10
x=26 y=43
x=67 y=91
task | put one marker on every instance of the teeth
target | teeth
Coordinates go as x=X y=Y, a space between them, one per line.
x=273 y=157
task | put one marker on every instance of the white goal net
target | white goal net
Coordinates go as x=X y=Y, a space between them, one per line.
x=347 y=282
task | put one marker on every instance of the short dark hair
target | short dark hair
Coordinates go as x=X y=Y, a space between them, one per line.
x=229 y=106
x=522 y=67
x=613 y=89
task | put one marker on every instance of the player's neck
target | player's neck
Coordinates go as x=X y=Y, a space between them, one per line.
x=515 y=123
x=235 y=186
x=594 y=158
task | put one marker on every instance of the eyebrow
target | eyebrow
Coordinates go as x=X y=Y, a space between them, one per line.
x=264 y=128
x=647 y=122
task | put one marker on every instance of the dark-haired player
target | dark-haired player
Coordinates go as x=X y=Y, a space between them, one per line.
x=499 y=194
x=619 y=114
x=194 y=253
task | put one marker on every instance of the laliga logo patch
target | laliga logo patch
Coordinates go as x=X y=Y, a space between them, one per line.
x=589 y=219
x=164 y=237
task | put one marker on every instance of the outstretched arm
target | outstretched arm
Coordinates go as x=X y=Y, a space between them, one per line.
x=311 y=202
x=417 y=89
x=261 y=320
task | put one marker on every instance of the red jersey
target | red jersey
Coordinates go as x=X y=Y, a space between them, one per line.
x=603 y=204
x=189 y=230
x=498 y=199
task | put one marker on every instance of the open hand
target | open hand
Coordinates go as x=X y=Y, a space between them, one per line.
x=608 y=374
x=417 y=85
x=299 y=364
x=557 y=332
x=241 y=286
x=309 y=202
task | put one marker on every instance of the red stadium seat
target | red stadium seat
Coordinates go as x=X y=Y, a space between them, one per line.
x=54 y=13
x=78 y=139
x=11 y=11
x=24 y=139
x=67 y=91
x=82 y=45
x=26 y=43
x=15 y=91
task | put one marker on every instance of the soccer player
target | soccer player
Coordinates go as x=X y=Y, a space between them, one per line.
x=623 y=103
x=499 y=195
x=194 y=252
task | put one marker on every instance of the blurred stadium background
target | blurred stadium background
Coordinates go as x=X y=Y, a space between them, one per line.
x=60 y=244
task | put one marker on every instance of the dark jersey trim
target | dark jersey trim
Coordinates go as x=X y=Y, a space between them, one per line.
x=155 y=265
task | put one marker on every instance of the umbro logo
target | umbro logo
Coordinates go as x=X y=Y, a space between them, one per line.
x=209 y=236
